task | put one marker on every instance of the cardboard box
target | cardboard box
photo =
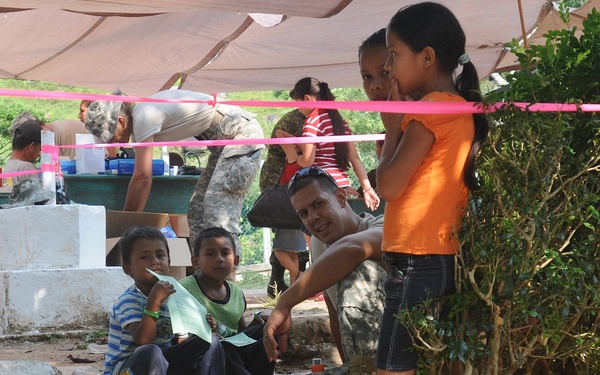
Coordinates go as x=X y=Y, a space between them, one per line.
x=179 y=223
x=125 y=166
x=117 y=222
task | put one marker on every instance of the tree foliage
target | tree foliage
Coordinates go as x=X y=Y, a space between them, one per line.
x=44 y=109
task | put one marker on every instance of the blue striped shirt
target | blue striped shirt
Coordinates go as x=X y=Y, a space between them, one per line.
x=128 y=309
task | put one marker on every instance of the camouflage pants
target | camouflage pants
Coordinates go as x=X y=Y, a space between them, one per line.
x=360 y=302
x=219 y=193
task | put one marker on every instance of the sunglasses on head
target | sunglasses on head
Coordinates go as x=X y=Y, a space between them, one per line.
x=307 y=172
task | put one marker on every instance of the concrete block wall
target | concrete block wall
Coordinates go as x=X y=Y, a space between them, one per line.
x=37 y=301
x=52 y=269
x=52 y=237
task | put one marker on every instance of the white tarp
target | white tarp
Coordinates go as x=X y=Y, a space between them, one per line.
x=142 y=46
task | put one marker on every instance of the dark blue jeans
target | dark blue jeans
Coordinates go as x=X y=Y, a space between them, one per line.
x=195 y=356
x=146 y=360
x=250 y=359
x=412 y=279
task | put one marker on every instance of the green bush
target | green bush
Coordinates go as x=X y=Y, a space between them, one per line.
x=251 y=239
x=45 y=109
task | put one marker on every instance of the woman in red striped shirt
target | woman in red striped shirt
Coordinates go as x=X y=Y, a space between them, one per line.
x=335 y=158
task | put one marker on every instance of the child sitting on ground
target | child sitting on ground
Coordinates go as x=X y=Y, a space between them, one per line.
x=213 y=259
x=140 y=333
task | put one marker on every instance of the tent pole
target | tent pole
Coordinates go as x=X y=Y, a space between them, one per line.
x=522 y=24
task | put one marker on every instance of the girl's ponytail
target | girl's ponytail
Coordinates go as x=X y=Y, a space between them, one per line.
x=324 y=92
x=467 y=85
x=339 y=128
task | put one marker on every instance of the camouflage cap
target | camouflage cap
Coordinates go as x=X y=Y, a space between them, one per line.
x=28 y=192
x=20 y=119
x=102 y=117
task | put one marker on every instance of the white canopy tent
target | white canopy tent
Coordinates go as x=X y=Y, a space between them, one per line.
x=142 y=46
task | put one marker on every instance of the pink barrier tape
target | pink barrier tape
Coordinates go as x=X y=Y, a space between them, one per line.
x=47 y=167
x=220 y=142
x=421 y=107
x=60 y=95
x=52 y=150
x=20 y=173
x=44 y=168
x=214 y=100
x=253 y=141
x=376 y=106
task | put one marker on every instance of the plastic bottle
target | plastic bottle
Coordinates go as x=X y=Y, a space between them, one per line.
x=317 y=368
x=61 y=190
x=165 y=157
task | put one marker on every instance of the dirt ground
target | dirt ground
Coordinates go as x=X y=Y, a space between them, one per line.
x=56 y=351
x=63 y=353
x=68 y=352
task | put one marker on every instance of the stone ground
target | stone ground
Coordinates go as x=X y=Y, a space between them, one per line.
x=309 y=337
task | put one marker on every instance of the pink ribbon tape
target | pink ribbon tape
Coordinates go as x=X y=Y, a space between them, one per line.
x=375 y=106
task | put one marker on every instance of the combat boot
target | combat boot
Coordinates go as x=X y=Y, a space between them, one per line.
x=276 y=284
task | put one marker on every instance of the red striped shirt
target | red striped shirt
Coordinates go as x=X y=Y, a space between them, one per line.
x=319 y=124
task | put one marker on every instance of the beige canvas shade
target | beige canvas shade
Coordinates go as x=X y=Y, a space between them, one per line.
x=142 y=46
x=549 y=19
x=128 y=8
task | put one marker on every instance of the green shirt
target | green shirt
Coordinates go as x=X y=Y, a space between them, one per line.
x=227 y=312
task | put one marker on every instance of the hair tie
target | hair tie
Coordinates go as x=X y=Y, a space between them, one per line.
x=464 y=58
x=324 y=91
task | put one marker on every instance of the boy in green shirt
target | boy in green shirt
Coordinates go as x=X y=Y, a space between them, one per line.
x=213 y=260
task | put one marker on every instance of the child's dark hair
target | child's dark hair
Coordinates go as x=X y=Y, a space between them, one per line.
x=433 y=25
x=21 y=143
x=377 y=39
x=313 y=87
x=212 y=232
x=137 y=233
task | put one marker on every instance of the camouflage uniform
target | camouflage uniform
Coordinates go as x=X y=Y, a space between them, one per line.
x=359 y=317
x=292 y=122
x=219 y=194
